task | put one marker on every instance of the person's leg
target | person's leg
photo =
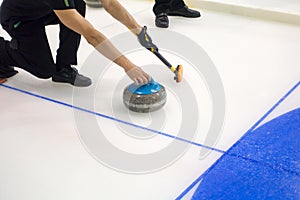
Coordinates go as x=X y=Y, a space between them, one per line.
x=6 y=71
x=178 y=8
x=69 y=41
x=160 y=9
x=161 y=6
x=28 y=48
x=67 y=51
x=176 y=4
x=66 y=56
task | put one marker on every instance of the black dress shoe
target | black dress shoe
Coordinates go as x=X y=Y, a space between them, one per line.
x=184 y=12
x=161 y=20
x=70 y=75
x=7 y=72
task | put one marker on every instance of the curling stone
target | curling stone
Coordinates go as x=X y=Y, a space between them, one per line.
x=93 y=3
x=144 y=98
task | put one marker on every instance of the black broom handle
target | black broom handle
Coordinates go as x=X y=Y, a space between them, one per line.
x=162 y=59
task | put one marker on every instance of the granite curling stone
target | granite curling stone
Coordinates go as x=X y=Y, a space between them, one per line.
x=145 y=98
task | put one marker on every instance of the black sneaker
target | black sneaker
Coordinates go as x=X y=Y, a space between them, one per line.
x=161 y=20
x=7 y=72
x=184 y=12
x=71 y=75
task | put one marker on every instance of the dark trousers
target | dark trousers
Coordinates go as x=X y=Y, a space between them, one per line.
x=161 y=6
x=29 y=48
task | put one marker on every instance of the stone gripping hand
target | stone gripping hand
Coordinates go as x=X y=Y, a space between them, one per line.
x=138 y=76
x=146 y=41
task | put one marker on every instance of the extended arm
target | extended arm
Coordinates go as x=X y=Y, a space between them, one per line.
x=73 y=20
x=115 y=9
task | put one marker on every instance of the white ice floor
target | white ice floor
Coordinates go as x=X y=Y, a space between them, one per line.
x=52 y=135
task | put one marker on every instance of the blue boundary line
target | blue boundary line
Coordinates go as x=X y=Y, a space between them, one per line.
x=250 y=130
x=111 y=118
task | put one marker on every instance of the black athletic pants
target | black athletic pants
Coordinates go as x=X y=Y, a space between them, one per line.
x=29 y=48
x=161 y=6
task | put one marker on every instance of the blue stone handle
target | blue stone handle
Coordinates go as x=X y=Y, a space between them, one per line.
x=149 y=88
